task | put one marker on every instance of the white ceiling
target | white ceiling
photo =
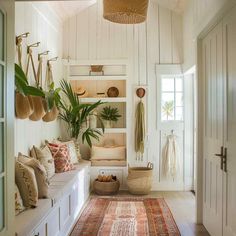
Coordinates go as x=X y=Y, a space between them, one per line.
x=174 y=5
x=65 y=9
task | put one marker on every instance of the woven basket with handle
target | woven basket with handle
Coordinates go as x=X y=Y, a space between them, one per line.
x=139 y=180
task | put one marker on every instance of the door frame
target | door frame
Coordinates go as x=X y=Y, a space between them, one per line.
x=200 y=104
x=9 y=103
x=187 y=183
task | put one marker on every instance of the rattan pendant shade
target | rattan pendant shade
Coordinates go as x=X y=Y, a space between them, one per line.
x=125 y=11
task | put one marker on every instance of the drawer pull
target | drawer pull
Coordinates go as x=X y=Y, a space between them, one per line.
x=37 y=234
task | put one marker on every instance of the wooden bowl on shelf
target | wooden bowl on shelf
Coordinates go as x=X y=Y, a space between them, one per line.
x=113 y=92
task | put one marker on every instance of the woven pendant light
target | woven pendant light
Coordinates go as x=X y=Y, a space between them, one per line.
x=125 y=11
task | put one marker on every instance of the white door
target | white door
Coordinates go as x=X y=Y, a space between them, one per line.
x=212 y=62
x=170 y=120
x=229 y=207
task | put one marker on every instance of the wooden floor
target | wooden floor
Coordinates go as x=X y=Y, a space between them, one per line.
x=182 y=206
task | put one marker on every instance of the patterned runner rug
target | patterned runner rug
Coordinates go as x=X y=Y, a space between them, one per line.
x=126 y=217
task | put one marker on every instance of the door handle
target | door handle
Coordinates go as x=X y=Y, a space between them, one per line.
x=223 y=158
x=221 y=155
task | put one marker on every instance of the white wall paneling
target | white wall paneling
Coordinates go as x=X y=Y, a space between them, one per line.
x=44 y=26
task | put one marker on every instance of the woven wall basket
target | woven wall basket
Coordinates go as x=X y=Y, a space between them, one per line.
x=125 y=11
x=23 y=107
x=51 y=115
x=39 y=110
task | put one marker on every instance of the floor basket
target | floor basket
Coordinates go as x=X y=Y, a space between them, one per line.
x=139 y=180
x=106 y=188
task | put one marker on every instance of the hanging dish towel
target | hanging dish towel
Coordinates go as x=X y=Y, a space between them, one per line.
x=140 y=128
x=170 y=157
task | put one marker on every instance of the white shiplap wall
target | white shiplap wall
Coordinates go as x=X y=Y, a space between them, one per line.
x=46 y=27
x=198 y=16
x=157 y=41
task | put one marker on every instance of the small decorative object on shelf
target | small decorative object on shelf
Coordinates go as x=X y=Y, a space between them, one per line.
x=113 y=92
x=106 y=185
x=101 y=95
x=96 y=69
x=109 y=115
x=81 y=92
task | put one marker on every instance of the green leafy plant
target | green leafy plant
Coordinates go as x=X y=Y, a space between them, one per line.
x=76 y=114
x=22 y=85
x=52 y=96
x=110 y=113
x=168 y=109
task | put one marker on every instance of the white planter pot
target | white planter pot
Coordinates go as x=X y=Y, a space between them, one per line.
x=108 y=124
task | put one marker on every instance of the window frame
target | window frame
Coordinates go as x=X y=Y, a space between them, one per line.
x=166 y=70
x=174 y=92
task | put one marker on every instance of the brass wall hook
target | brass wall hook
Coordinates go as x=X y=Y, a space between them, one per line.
x=34 y=45
x=20 y=37
x=53 y=59
x=42 y=54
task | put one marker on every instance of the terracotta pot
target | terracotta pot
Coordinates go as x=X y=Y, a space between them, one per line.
x=39 y=109
x=23 y=106
x=108 y=124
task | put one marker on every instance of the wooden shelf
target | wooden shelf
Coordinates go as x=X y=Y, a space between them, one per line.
x=114 y=130
x=106 y=99
x=110 y=62
x=97 y=77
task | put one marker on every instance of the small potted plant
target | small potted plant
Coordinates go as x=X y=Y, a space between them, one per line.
x=109 y=115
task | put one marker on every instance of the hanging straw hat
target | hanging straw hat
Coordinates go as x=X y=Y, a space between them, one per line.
x=125 y=12
x=81 y=92
x=23 y=107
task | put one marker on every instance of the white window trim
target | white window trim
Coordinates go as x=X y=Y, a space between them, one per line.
x=171 y=70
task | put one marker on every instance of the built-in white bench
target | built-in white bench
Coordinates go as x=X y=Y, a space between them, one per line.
x=56 y=215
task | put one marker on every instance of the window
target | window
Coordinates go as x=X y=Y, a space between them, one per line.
x=172 y=95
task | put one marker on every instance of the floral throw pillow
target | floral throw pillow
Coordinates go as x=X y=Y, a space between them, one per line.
x=61 y=157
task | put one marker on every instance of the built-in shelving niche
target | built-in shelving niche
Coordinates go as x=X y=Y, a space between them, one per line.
x=114 y=74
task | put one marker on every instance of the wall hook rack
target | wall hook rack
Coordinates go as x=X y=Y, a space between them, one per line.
x=42 y=54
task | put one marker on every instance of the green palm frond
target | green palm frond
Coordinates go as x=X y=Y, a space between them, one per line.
x=76 y=114
x=109 y=113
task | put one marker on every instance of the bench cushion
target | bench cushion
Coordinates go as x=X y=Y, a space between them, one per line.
x=27 y=220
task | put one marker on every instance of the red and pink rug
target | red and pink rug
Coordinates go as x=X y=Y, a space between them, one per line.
x=126 y=217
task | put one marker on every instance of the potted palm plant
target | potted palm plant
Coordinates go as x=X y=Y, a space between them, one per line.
x=110 y=115
x=76 y=114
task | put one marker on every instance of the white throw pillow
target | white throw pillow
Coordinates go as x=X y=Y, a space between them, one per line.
x=111 y=153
